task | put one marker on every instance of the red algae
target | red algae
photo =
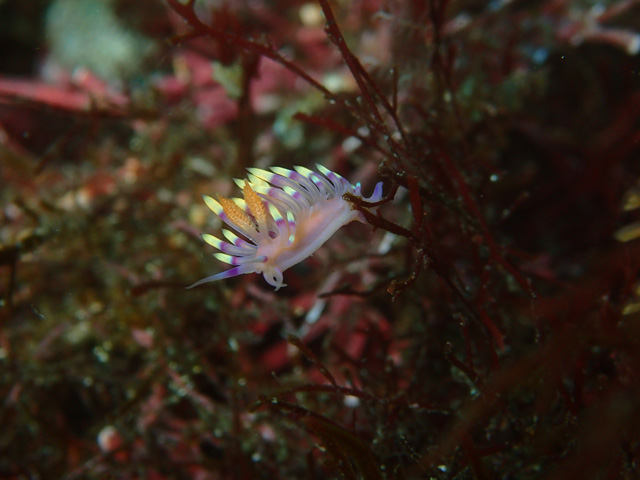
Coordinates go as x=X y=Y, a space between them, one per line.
x=483 y=323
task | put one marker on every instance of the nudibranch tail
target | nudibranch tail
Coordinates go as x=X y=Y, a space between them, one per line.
x=284 y=217
x=234 y=272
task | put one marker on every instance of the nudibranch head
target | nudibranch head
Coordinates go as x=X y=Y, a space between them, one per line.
x=285 y=216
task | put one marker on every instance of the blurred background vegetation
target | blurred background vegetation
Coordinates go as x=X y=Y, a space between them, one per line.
x=485 y=325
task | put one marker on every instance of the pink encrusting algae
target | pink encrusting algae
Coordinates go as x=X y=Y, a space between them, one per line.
x=285 y=216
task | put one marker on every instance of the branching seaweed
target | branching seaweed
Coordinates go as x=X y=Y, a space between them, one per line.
x=483 y=324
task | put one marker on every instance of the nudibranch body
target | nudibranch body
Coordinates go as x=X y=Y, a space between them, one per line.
x=285 y=216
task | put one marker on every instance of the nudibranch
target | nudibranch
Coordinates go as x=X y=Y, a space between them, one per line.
x=285 y=216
